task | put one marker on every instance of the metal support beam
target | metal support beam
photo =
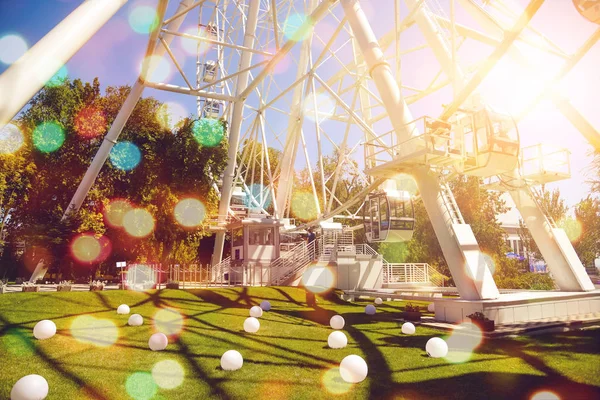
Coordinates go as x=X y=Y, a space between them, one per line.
x=134 y=95
x=22 y=80
x=236 y=125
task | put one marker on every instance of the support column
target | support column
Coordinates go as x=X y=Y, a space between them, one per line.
x=236 y=125
x=469 y=270
x=22 y=80
x=294 y=128
x=115 y=130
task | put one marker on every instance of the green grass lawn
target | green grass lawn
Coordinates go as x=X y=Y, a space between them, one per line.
x=287 y=359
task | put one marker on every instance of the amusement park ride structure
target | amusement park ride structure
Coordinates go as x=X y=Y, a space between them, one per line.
x=347 y=88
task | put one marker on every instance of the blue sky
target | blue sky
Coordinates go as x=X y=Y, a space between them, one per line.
x=115 y=52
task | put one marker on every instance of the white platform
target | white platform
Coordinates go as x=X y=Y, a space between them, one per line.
x=521 y=307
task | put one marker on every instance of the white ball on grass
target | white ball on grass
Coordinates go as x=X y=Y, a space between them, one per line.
x=123 y=309
x=431 y=307
x=158 y=341
x=436 y=347
x=337 y=340
x=251 y=325
x=44 y=329
x=231 y=360
x=408 y=328
x=256 y=312
x=378 y=301
x=353 y=369
x=265 y=305
x=337 y=322
x=370 y=309
x=30 y=387
x=135 y=320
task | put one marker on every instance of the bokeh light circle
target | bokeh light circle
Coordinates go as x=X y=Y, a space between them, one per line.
x=143 y=19
x=545 y=395
x=190 y=213
x=170 y=114
x=325 y=107
x=168 y=321
x=333 y=382
x=318 y=279
x=192 y=46
x=12 y=47
x=159 y=69
x=90 y=122
x=125 y=156
x=91 y=330
x=168 y=374
x=138 y=222
x=86 y=248
x=48 y=137
x=462 y=342
x=115 y=210
x=11 y=139
x=208 y=131
x=572 y=227
x=303 y=205
x=59 y=77
x=292 y=28
x=141 y=386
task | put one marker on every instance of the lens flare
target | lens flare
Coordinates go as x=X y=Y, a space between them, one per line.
x=170 y=115
x=168 y=321
x=12 y=47
x=303 y=205
x=86 y=248
x=192 y=46
x=11 y=139
x=48 y=137
x=292 y=29
x=463 y=340
x=125 y=156
x=138 y=274
x=572 y=227
x=208 y=131
x=90 y=330
x=325 y=107
x=190 y=213
x=333 y=382
x=115 y=210
x=141 y=386
x=406 y=183
x=318 y=279
x=159 y=69
x=138 y=222
x=256 y=189
x=59 y=77
x=143 y=19
x=168 y=374
x=545 y=395
x=90 y=122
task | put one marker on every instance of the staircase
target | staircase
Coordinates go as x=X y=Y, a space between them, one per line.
x=537 y=197
x=296 y=259
x=450 y=207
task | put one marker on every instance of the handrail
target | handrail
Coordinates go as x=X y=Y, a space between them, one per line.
x=414 y=273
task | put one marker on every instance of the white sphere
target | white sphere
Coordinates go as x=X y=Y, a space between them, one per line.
x=378 y=301
x=408 y=328
x=135 y=320
x=431 y=307
x=251 y=325
x=123 y=309
x=436 y=347
x=353 y=369
x=30 y=387
x=231 y=360
x=44 y=329
x=265 y=305
x=337 y=322
x=158 y=341
x=256 y=312
x=370 y=309
x=337 y=340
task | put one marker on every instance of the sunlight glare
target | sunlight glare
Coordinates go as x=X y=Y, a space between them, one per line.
x=333 y=382
x=91 y=330
x=189 y=213
x=115 y=210
x=318 y=279
x=141 y=386
x=138 y=222
x=168 y=374
x=168 y=321
x=11 y=139
x=462 y=342
x=12 y=47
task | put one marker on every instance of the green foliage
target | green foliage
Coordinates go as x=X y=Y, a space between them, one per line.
x=587 y=243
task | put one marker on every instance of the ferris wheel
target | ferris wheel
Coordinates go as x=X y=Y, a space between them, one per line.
x=385 y=91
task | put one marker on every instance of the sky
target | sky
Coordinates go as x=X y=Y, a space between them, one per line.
x=115 y=53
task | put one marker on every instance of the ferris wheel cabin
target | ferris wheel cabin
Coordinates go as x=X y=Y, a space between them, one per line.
x=388 y=216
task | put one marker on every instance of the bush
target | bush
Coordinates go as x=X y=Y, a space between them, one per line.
x=526 y=280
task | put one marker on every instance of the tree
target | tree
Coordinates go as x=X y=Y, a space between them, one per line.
x=587 y=238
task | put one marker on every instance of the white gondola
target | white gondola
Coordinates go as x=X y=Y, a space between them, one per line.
x=589 y=9
x=491 y=143
x=211 y=109
x=388 y=216
x=239 y=202
x=210 y=71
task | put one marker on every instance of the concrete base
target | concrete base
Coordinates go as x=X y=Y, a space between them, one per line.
x=521 y=307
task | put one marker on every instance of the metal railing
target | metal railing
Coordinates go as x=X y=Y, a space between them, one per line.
x=284 y=268
x=413 y=273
